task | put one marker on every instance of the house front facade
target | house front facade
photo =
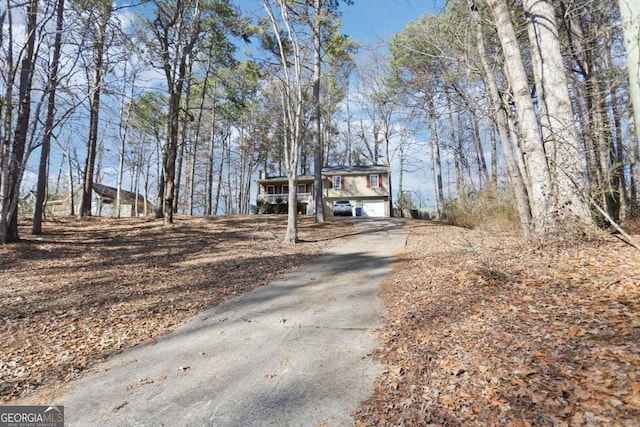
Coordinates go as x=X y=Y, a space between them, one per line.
x=273 y=194
x=365 y=187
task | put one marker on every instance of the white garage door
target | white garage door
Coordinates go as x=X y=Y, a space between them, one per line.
x=373 y=208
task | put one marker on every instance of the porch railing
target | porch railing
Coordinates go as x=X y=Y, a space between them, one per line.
x=273 y=199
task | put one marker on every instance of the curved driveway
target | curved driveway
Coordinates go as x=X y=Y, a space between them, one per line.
x=296 y=352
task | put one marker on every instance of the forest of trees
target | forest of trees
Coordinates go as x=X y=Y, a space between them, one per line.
x=184 y=101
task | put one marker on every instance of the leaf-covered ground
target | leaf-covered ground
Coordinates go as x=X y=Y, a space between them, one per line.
x=484 y=330
x=86 y=290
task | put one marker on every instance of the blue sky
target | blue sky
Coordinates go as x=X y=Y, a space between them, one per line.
x=370 y=21
x=373 y=22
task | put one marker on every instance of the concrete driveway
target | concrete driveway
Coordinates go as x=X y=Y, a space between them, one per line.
x=296 y=352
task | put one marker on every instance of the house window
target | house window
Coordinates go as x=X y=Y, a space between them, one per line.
x=271 y=189
x=285 y=189
x=302 y=188
x=337 y=182
x=374 y=181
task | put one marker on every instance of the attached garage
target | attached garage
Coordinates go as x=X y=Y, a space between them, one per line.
x=373 y=208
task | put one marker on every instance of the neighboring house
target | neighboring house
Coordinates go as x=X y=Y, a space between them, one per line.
x=274 y=193
x=366 y=187
x=27 y=203
x=103 y=203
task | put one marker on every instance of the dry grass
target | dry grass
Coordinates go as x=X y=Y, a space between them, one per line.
x=484 y=330
x=87 y=289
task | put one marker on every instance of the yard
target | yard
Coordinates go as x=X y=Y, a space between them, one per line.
x=482 y=329
x=86 y=290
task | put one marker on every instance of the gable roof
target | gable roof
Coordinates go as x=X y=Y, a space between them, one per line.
x=355 y=170
x=284 y=179
x=333 y=170
x=107 y=192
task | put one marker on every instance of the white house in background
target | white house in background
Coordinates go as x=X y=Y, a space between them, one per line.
x=366 y=187
x=103 y=203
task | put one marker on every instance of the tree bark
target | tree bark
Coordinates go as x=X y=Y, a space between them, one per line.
x=292 y=102
x=568 y=195
x=183 y=135
x=630 y=14
x=94 y=113
x=9 y=213
x=52 y=84
x=317 y=137
x=501 y=119
x=537 y=167
x=435 y=155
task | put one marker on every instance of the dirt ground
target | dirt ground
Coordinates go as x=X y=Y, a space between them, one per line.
x=86 y=290
x=482 y=329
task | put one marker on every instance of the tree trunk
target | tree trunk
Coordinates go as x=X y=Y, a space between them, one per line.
x=210 y=166
x=292 y=102
x=457 y=155
x=620 y=178
x=220 y=173
x=176 y=70
x=401 y=197
x=160 y=199
x=634 y=175
x=501 y=120
x=94 y=113
x=317 y=139
x=568 y=196
x=483 y=173
x=9 y=213
x=494 y=156
x=52 y=84
x=539 y=178
x=437 y=161
x=630 y=14
x=186 y=117
x=123 y=130
x=6 y=113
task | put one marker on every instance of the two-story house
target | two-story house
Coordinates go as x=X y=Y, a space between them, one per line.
x=366 y=187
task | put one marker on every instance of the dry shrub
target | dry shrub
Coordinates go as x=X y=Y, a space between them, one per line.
x=631 y=225
x=492 y=209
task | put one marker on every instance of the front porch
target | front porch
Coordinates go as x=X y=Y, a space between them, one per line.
x=282 y=198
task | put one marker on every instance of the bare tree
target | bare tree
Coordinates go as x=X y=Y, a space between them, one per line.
x=630 y=13
x=99 y=15
x=539 y=177
x=556 y=115
x=15 y=159
x=52 y=84
x=501 y=118
x=292 y=89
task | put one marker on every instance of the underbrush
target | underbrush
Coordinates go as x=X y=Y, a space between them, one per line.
x=495 y=210
x=491 y=209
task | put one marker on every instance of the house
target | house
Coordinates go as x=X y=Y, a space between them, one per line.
x=274 y=193
x=366 y=187
x=103 y=203
x=27 y=202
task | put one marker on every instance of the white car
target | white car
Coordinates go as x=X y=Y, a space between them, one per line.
x=342 y=208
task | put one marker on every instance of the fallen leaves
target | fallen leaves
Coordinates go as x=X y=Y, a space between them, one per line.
x=141 y=382
x=88 y=289
x=120 y=406
x=484 y=330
